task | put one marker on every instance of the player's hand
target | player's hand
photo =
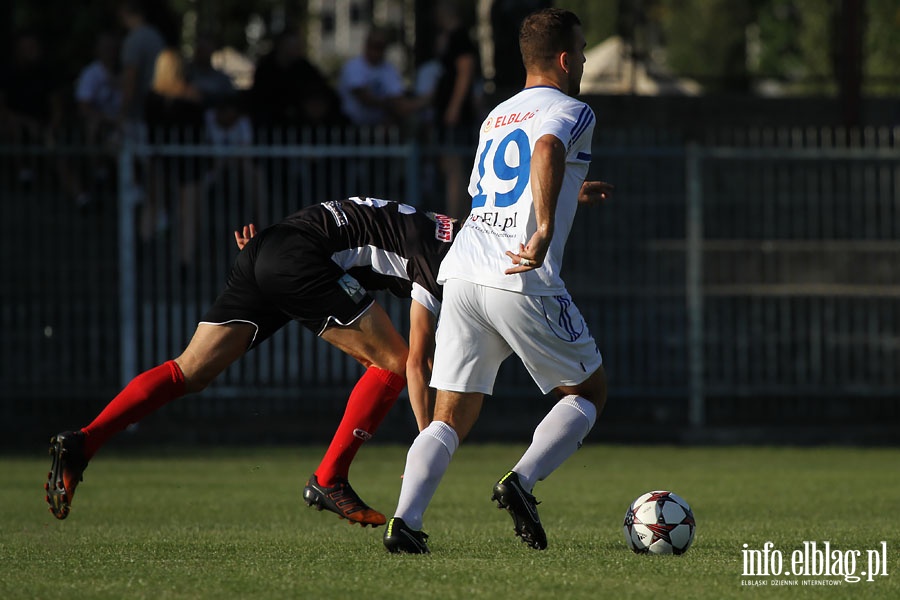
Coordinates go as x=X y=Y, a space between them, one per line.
x=524 y=260
x=595 y=192
x=243 y=236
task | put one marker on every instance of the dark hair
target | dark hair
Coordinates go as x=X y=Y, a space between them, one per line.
x=160 y=15
x=546 y=33
x=135 y=7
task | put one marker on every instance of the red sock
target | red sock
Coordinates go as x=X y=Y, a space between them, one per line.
x=144 y=394
x=371 y=399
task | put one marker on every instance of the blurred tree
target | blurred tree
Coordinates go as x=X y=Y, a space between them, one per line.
x=795 y=45
x=807 y=46
x=245 y=24
x=881 y=48
x=847 y=55
x=706 y=40
x=600 y=17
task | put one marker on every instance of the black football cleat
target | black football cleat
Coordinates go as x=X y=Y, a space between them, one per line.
x=509 y=494
x=398 y=537
x=341 y=500
x=66 y=471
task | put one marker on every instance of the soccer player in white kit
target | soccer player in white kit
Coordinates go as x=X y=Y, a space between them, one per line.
x=502 y=287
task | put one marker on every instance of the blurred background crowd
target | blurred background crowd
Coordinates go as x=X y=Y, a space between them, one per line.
x=368 y=62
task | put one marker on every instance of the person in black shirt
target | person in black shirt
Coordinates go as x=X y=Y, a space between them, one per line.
x=30 y=100
x=455 y=107
x=289 y=91
x=317 y=267
x=454 y=96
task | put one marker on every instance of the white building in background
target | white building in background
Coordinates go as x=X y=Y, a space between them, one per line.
x=611 y=69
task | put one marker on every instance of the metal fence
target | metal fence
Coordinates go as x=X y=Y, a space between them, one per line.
x=748 y=282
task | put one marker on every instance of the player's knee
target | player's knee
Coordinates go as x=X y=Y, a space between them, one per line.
x=195 y=379
x=192 y=385
x=593 y=389
x=394 y=361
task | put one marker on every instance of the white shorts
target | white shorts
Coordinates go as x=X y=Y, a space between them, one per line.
x=480 y=326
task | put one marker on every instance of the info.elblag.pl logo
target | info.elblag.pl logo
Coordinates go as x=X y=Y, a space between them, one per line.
x=814 y=563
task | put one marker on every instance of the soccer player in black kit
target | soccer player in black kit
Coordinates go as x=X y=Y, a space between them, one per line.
x=316 y=267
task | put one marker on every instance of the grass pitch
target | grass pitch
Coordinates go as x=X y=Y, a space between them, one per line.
x=230 y=523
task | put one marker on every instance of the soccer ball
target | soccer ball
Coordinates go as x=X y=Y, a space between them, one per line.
x=659 y=522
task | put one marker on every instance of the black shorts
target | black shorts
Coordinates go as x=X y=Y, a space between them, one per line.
x=283 y=274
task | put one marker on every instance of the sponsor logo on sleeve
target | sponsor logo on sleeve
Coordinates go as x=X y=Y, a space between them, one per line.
x=334 y=207
x=443 y=229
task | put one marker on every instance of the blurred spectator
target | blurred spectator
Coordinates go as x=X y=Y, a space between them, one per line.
x=371 y=89
x=455 y=101
x=174 y=114
x=455 y=95
x=141 y=46
x=172 y=99
x=226 y=123
x=506 y=17
x=288 y=90
x=427 y=76
x=213 y=84
x=98 y=91
x=30 y=102
x=98 y=94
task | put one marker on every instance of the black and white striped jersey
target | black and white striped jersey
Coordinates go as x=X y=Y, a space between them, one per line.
x=385 y=245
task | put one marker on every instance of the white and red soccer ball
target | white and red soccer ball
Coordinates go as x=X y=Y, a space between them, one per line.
x=659 y=522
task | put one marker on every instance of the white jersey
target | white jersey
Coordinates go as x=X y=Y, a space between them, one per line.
x=502 y=214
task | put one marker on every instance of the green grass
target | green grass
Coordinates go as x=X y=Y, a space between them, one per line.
x=230 y=523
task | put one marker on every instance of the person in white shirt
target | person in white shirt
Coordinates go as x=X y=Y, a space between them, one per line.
x=503 y=292
x=97 y=90
x=99 y=97
x=212 y=83
x=140 y=48
x=227 y=123
x=370 y=87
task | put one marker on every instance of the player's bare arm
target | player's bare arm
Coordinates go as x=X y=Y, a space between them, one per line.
x=422 y=326
x=548 y=166
x=595 y=192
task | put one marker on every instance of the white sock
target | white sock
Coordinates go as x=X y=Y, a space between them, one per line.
x=556 y=438
x=426 y=462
